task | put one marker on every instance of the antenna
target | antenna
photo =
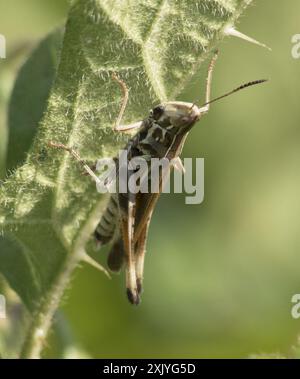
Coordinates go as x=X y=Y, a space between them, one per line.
x=249 y=84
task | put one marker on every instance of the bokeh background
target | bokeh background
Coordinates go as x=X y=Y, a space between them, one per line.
x=219 y=276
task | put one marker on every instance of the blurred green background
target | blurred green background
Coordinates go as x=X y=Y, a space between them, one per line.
x=219 y=276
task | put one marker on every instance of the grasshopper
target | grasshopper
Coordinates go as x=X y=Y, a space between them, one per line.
x=126 y=220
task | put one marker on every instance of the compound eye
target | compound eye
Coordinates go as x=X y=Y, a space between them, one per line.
x=157 y=112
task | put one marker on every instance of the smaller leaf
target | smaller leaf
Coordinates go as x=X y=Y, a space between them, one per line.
x=30 y=95
x=15 y=266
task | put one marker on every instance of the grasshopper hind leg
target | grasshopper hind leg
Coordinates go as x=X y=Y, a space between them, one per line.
x=127 y=210
x=140 y=251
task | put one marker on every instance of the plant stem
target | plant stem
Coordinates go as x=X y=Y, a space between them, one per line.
x=42 y=319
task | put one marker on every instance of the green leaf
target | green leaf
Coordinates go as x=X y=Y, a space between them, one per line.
x=35 y=77
x=156 y=47
x=29 y=97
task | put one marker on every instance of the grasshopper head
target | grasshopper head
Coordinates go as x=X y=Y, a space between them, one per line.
x=184 y=115
x=175 y=113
